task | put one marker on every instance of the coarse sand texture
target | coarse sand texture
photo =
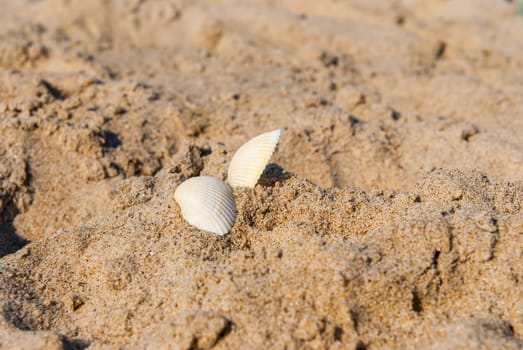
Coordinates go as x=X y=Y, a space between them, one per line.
x=390 y=215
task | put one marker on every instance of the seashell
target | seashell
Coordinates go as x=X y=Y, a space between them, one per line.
x=251 y=158
x=207 y=203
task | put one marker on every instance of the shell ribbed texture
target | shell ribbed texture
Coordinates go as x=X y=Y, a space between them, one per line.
x=251 y=158
x=207 y=203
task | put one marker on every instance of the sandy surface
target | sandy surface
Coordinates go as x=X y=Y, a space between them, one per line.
x=392 y=217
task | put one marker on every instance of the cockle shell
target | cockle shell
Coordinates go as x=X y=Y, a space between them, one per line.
x=251 y=158
x=207 y=203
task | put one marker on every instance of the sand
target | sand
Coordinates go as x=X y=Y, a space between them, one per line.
x=391 y=217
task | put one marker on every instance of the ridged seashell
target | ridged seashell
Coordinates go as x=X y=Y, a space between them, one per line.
x=207 y=203
x=251 y=158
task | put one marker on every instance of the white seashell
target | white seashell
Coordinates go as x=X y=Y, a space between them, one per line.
x=207 y=203
x=251 y=158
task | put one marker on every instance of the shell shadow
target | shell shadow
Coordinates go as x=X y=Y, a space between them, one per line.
x=73 y=344
x=273 y=173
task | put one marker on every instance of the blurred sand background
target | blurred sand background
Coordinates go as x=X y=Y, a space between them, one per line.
x=392 y=219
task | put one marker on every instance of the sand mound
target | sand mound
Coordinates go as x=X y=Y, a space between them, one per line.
x=392 y=216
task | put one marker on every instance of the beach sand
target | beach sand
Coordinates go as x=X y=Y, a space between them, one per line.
x=391 y=216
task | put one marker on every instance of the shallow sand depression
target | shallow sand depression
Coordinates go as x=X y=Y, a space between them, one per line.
x=391 y=216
